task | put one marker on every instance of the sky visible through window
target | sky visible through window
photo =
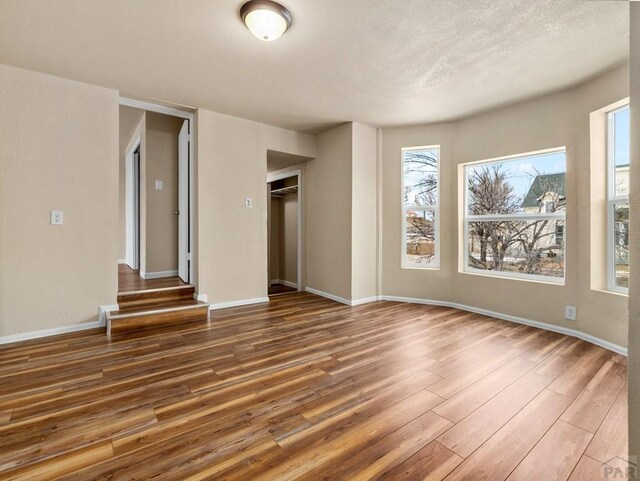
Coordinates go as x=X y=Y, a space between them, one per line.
x=622 y=137
x=619 y=249
x=522 y=171
x=420 y=176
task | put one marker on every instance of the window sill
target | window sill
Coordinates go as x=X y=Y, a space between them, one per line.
x=559 y=283
x=609 y=291
x=425 y=268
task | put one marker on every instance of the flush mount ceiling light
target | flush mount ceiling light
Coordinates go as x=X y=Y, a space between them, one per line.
x=265 y=19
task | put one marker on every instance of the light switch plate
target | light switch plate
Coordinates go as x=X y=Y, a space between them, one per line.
x=159 y=185
x=57 y=217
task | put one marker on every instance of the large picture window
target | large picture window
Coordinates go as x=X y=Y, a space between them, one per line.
x=618 y=199
x=420 y=199
x=514 y=217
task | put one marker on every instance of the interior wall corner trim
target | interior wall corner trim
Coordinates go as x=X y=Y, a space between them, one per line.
x=342 y=300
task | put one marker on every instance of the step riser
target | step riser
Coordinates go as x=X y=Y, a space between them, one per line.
x=143 y=299
x=159 y=319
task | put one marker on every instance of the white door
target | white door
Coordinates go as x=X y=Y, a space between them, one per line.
x=183 y=202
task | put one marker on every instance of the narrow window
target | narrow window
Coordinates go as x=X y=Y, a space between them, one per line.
x=420 y=200
x=515 y=216
x=618 y=199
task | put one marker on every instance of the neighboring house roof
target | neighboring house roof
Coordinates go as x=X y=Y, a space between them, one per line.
x=541 y=185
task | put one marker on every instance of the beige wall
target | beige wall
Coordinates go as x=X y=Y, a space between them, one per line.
x=416 y=283
x=59 y=151
x=561 y=119
x=342 y=213
x=161 y=164
x=364 y=207
x=340 y=205
x=634 y=292
x=328 y=213
x=288 y=258
x=232 y=239
x=595 y=303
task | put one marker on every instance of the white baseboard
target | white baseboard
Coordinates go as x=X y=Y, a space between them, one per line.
x=243 y=302
x=159 y=274
x=342 y=300
x=223 y=305
x=498 y=315
x=284 y=283
x=519 y=320
x=201 y=297
x=25 y=336
x=122 y=261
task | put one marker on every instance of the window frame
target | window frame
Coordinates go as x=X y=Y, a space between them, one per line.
x=435 y=263
x=466 y=219
x=612 y=201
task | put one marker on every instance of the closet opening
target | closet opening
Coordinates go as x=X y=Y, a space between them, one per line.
x=284 y=222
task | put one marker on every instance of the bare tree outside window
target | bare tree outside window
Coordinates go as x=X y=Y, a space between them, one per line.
x=516 y=216
x=420 y=206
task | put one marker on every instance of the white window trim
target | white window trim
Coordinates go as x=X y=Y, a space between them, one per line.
x=496 y=217
x=435 y=263
x=612 y=201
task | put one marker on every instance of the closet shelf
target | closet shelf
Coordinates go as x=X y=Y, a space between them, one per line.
x=285 y=190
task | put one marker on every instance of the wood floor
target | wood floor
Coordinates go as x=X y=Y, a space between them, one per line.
x=129 y=280
x=275 y=289
x=303 y=388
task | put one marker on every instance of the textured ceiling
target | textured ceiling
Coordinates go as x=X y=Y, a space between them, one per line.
x=381 y=62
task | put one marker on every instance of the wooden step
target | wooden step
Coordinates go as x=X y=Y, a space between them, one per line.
x=160 y=314
x=150 y=297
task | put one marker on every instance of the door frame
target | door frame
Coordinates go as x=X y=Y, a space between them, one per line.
x=184 y=235
x=183 y=114
x=279 y=175
x=132 y=206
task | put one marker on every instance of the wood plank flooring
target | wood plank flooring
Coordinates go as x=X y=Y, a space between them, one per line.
x=275 y=289
x=303 y=388
x=129 y=280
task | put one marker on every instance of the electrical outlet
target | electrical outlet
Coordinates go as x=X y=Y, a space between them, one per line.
x=248 y=203
x=56 y=217
x=570 y=313
x=159 y=185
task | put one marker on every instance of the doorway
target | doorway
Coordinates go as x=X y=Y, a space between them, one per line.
x=156 y=195
x=284 y=233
